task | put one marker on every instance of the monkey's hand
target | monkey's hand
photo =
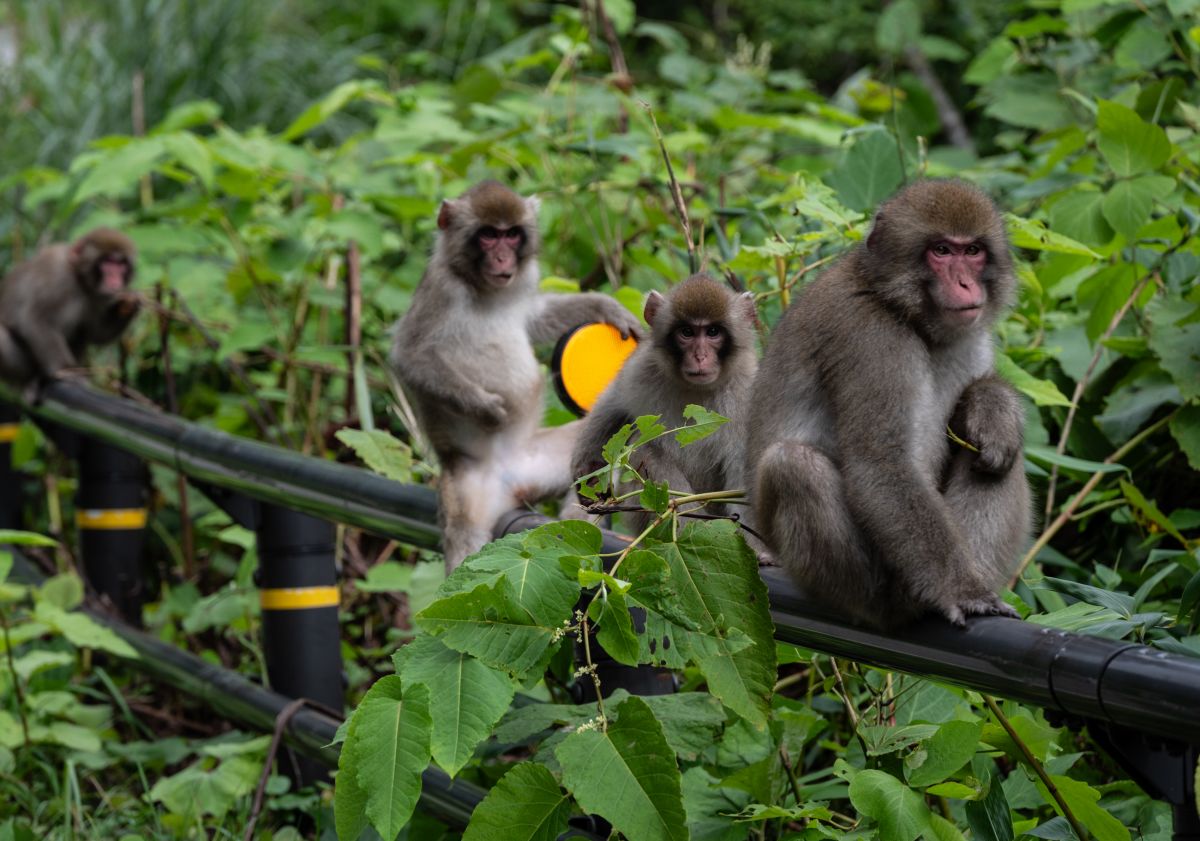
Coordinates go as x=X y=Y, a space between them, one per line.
x=627 y=323
x=990 y=418
x=987 y=604
x=126 y=305
x=488 y=407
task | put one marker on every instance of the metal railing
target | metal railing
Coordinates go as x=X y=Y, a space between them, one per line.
x=1124 y=692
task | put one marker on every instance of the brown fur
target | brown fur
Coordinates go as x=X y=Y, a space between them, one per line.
x=650 y=383
x=52 y=307
x=854 y=484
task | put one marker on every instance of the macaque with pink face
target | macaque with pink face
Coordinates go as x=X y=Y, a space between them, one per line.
x=69 y=296
x=857 y=488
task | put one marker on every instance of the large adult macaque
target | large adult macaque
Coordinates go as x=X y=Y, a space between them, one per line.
x=701 y=351
x=464 y=354
x=857 y=487
x=67 y=297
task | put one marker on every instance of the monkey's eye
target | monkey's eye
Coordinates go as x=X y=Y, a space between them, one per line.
x=488 y=233
x=687 y=332
x=973 y=249
x=941 y=250
x=515 y=235
x=713 y=331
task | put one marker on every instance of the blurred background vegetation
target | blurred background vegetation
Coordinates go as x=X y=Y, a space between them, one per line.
x=275 y=159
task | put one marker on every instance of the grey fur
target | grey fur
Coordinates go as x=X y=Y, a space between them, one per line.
x=856 y=486
x=464 y=354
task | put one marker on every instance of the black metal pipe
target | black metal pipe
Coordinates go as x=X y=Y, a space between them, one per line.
x=298 y=590
x=11 y=496
x=1122 y=683
x=110 y=511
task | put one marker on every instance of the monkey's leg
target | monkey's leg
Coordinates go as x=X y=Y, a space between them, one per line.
x=540 y=468
x=993 y=513
x=471 y=497
x=14 y=362
x=800 y=509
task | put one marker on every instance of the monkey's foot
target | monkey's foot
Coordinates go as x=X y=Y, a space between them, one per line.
x=989 y=605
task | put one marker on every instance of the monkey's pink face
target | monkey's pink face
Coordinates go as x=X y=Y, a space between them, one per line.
x=700 y=347
x=500 y=247
x=114 y=272
x=958 y=266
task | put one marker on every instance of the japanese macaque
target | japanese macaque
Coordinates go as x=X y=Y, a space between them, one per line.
x=701 y=351
x=464 y=355
x=856 y=485
x=67 y=297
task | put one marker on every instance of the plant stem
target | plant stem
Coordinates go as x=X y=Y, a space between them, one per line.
x=12 y=667
x=1037 y=767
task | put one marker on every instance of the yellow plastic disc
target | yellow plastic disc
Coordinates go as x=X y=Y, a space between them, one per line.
x=585 y=361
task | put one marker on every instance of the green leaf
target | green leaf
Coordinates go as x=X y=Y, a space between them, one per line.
x=389 y=742
x=201 y=790
x=899 y=27
x=869 y=171
x=703 y=424
x=470 y=697
x=627 y=775
x=1185 y=426
x=1080 y=216
x=25 y=538
x=82 y=631
x=1130 y=144
x=1148 y=510
x=1033 y=234
x=381 y=451
x=1175 y=337
x=1048 y=455
x=990 y=818
x=1128 y=204
x=117 y=172
x=1121 y=603
x=1041 y=392
x=611 y=612
x=525 y=805
x=1083 y=801
x=334 y=101
x=716 y=581
x=189 y=115
x=655 y=496
x=64 y=591
x=192 y=153
x=900 y=812
x=1029 y=100
x=950 y=749
x=387 y=577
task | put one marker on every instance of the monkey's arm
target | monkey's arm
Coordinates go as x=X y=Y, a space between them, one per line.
x=989 y=415
x=113 y=318
x=440 y=380
x=556 y=314
x=48 y=349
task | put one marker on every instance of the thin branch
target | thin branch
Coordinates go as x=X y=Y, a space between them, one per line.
x=952 y=121
x=1077 y=395
x=1037 y=768
x=676 y=194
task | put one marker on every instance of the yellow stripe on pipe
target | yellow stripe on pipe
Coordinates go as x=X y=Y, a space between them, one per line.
x=111 y=518
x=298 y=598
x=8 y=432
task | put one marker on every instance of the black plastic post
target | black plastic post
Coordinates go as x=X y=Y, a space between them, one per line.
x=10 y=480
x=110 y=511
x=298 y=590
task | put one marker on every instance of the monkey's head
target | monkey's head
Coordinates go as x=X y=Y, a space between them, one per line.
x=702 y=332
x=488 y=235
x=104 y=262
x=938 y=255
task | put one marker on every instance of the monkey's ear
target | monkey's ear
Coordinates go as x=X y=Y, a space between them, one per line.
x=534 y=204
x=747 y=308
x=446 y=214
x=873 y=237
x=654 y=302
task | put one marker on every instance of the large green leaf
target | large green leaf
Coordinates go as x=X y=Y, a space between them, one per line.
x=1083 y=801
x=901 y=812
x=1128 y=204
x=331 y=103
x=1185 y=426
x=1130 y=144
x=470 y=697
x=950 y=748
x=118 y=171
x=381 y=451
x=1175 y=337
x=1041 y=392
x=715 y=578
x=627 y=775
x=526 y=805
x=869 y=172
x=82 y=630
x=1032 y=234
x=389 y=748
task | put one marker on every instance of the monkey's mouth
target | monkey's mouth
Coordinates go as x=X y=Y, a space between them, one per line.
x=700 y=377
x=968 y=313
x=500 y=279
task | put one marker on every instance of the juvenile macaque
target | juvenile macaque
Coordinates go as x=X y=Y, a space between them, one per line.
x=856 y=485
x=67 y=297
x=464 y=354
x=701 y=350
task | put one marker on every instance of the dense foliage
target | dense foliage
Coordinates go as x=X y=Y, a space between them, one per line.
x=260 y=222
